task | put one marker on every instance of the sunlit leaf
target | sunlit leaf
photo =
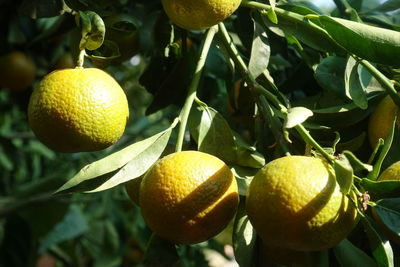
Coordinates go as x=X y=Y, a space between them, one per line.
x=296 y=115
x=344 y=173
x=368 y=42
x=244 y=238
x=121 y=166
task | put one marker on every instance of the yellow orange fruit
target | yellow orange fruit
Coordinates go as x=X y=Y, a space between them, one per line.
x=294 y=202
x=391 y=173
x=77 y=110
x=381 y=120
x=199 y=15
x=17 y=71
x=188 y=197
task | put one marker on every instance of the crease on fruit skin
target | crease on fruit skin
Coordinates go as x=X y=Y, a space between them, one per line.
x=196 y=202
x=301 y=216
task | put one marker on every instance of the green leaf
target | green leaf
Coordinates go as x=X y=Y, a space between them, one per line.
x=356 y=164
x=380 y=246
x=388 y=210
x=73 y=225
x=349 y=255
x=212 y=133
x=243 y=177
x=353 y=86
x=296 y=115
x=244 y=238
x=294 y=24
x=42 y=8
x=272 y=16
x=121 y=166
x=344 y=173
x=260 y=51
x=387 y=6
x=92 y=28
x=328 y=73
x=381 y=188
x=375 y=44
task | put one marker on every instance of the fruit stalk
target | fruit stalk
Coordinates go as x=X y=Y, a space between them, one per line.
x=184 y=115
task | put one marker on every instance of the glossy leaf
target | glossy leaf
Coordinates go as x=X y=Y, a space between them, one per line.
x=291 y=23
x=121 y=166
x=381 y=188
x=244 y=238
x=93 y=30
x=354 y=88
x=349 y=255
x=356 y=163
x=368 y=42
x=388 y=210
x=380 y=246
x=260 y=51
x=344 y=173
x=296 y=115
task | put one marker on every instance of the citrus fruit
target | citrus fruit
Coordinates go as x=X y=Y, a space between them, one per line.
x=381 y=120
x=391 y=173
x=17 y=71
x=199 y=15
x=188 y=197
x=76 y=110
x=295 y=203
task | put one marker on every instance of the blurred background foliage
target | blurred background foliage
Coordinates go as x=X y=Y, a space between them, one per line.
x=155 y=69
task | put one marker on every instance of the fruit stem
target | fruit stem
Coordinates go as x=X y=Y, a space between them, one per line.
x=235 y=56
x=383 y=80
x=311 y=141
x=81 y=58
x=184 y=115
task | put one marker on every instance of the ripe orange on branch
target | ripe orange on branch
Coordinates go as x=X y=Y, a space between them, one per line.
x=188 y=197
x=76 y=110
x=381 y=120
x=295 y=203
x=199 y=14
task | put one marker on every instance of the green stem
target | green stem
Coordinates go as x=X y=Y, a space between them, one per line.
x=235 y=56
x=184 y=115
x=383 y=80
x=310 y=140
x=267 y=112
x=81 y=58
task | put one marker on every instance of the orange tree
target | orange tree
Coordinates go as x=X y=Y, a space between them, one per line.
x=249 y=138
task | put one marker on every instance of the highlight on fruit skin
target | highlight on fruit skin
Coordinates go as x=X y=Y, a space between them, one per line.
x=200 y=14
x=294 y=202
x=17 y=71
x=188 y=197
x=78 y=110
